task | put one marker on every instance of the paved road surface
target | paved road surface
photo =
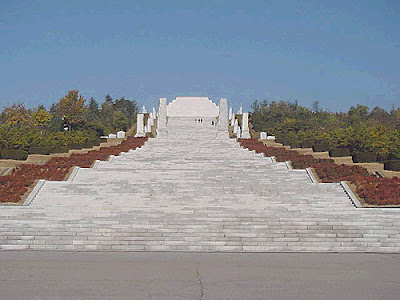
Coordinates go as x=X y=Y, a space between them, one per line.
x=124 y=275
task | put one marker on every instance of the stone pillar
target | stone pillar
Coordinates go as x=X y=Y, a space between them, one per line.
x=240 y=111
x=144 y=110
x=148 y=126
x=233 y=120
x=154 y=113
x=230 y=114
x=162 y=119
x=238 y=133
x=140 y=126
x=245 y=126
x=151 y=119
x=235 y=126
x=223 y=119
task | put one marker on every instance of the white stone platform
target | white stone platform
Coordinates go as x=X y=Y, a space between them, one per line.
x=192 y=192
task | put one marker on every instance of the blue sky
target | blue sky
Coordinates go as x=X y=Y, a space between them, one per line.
x=339 y=53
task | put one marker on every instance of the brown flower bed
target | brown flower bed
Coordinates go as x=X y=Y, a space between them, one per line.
x=373 y=190
x=14 y=186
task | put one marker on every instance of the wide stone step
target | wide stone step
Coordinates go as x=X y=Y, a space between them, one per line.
x=195 y=193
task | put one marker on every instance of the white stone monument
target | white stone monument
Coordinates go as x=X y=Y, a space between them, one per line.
x=148 y=126
x=154 y=113
x=238 y=133
x=233 y=120
x=235 y=126
x=151 y=119
x=230 y=114
x=240 y=111
x=223 y=132
x=121 y=134
x=144 y=110
x=245 y=126
x=271 y=138
x=112 y=136
x=162 y=119
x=263 y=135
x=193 y=107
x=140 y=126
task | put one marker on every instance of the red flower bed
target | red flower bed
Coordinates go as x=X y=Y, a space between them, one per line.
x=376 y=191
x=14 y=186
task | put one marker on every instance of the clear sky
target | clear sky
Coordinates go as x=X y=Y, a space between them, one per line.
x=339 y=53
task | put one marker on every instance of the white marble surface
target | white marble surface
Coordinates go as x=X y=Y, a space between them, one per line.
x=192 y=107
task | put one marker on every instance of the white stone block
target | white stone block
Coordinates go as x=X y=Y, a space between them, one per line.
x=230 y=114
x=235 y=126
x=238 y=133
x=263 y=135
x=140 y=130
x=245 y=126
x=148 y=126
x=240 y=111
x=193 y=107
x=223 y=119
x=233 y=121
x=144 y=110
x=121 y=134
x=271 y=137
x=162 y=119
x=112 y=136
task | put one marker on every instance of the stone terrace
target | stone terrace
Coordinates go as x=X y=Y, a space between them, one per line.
x=193 y=192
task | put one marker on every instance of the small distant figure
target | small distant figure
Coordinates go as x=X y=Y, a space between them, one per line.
x=212 y=123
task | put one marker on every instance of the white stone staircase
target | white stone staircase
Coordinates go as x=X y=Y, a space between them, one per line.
x=191 y=192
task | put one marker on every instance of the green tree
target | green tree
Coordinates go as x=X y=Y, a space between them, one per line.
x=120 y=121
x=40 y=117
x=71 y=108
x=17 y=114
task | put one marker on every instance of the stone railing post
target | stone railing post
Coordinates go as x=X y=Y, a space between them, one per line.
x=223 y=119
x=162 y=119
x=140 y=132
x=245 y=126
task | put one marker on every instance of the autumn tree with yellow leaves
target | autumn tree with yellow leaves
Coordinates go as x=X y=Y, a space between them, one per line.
x=71 y=108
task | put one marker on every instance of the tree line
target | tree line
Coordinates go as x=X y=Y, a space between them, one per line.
x=71 y=121
x=360 y=129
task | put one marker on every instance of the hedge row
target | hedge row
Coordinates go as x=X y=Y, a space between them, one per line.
x=357 y=157
x=374 y=190
x=22 y=155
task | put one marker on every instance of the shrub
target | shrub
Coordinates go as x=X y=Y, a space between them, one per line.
x=339 y=152
x=361 y=157
x=320 y=147
x=75 y=146
x=393 y=156
x=59 y=149
x=295 y=145
x=392 y=165
x=14 y=154
x=39 y=150
x=307 y=144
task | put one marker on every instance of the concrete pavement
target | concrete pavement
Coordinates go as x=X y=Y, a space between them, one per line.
x=151 y=275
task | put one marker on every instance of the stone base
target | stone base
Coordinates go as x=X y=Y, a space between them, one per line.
x=245 y=135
